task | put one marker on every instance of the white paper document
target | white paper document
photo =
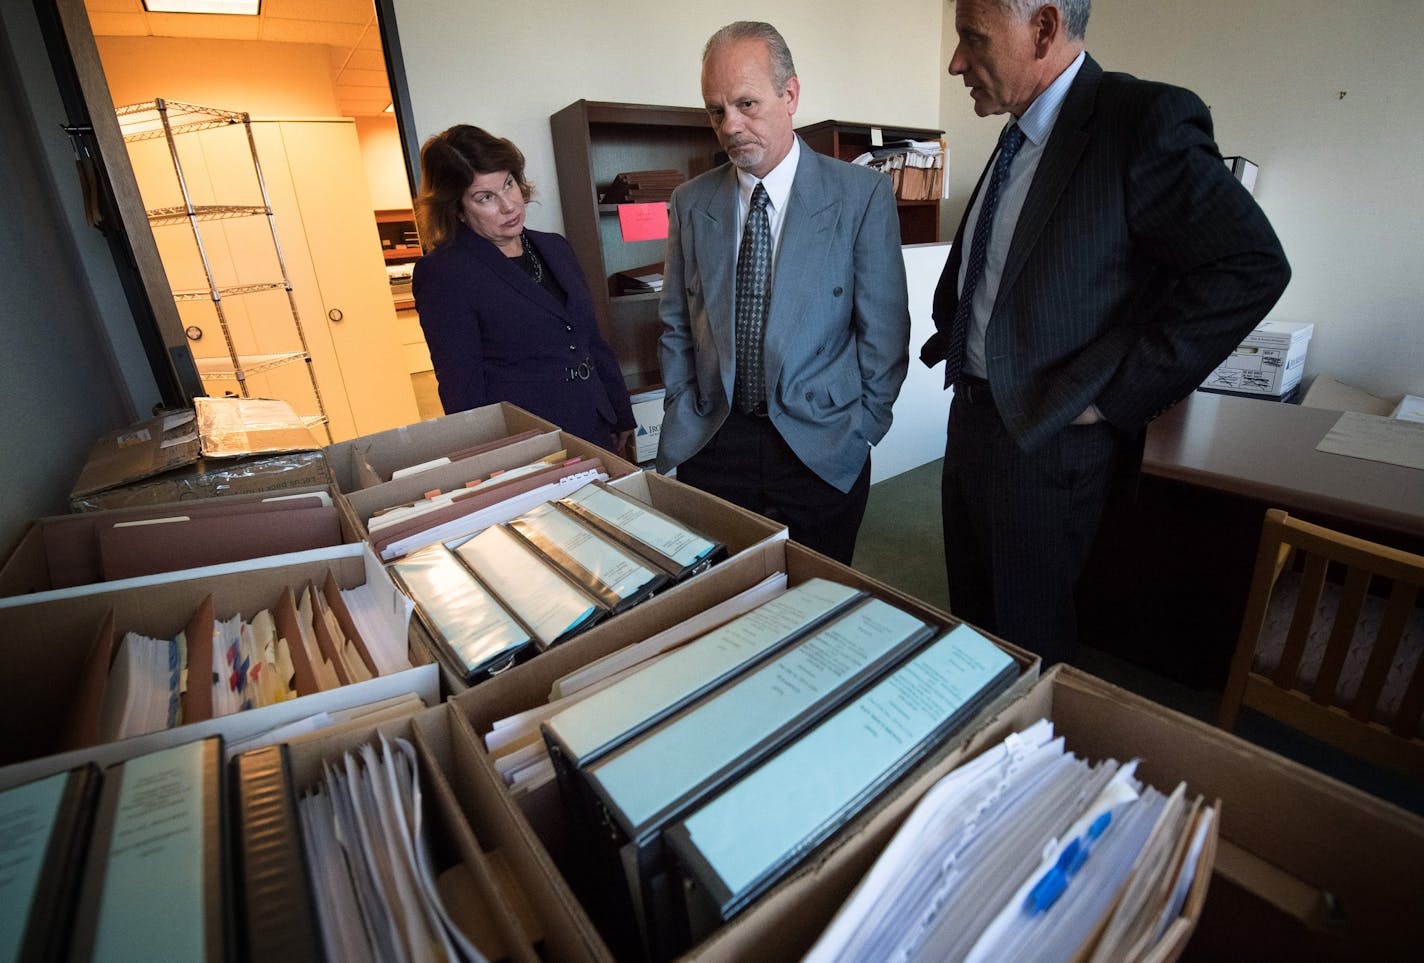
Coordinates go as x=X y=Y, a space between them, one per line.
x=1376 y=438
x=1024 y=853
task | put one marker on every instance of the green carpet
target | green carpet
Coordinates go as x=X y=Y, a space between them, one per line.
x=901 y=542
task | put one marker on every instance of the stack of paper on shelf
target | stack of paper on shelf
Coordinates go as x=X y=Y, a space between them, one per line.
x=1030 y=853
x=641 y=280
x=637 y=187
x=916 y=167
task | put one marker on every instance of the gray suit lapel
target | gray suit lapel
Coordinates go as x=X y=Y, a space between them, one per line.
x=812 y=213
x=715 y=220
x=1060 y=157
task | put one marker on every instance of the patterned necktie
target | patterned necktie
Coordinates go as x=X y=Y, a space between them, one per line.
x=753 y=296
x=1009 y=145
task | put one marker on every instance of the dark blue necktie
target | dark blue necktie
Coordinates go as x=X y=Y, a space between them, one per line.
x=753 y=297
x=1009 y=146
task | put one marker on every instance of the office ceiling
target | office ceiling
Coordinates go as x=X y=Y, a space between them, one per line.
x=346 y=28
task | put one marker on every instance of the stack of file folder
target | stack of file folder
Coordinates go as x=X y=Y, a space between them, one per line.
x=637 y=187
x=307 y=642
x=915 y=168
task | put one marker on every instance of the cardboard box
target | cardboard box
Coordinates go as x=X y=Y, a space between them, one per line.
x=648 y=413
x=739 y=530
x=369 y=460
x=473 y=825
x=45 y=640
x=1269 y=361
x=526 y=686
x=1308 y=867
x=1285 y=830
x=368 y=500
x=161 y=460
x=30 y=567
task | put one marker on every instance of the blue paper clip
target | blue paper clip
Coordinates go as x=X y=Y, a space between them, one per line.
x=1051 y=886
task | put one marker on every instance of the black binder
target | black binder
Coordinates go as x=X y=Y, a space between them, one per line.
x=52 y=900
x=216 y=924
x=276 y=912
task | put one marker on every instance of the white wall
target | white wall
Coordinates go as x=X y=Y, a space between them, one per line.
x=507 y=68
x=1340 y=176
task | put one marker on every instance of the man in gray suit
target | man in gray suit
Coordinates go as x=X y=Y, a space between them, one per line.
x=785 y=316
x=1107 y=262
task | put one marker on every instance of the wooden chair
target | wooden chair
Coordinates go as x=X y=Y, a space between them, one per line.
x=1357 y=724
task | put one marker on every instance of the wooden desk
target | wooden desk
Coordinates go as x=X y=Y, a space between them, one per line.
x=1266 y=452
x=1167 y=581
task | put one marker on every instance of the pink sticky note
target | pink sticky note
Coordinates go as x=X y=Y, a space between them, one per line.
x=643 y=222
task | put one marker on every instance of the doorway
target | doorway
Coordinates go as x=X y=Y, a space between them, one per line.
x=319 y=281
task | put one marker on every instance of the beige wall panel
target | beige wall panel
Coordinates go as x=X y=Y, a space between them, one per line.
x=326 y=167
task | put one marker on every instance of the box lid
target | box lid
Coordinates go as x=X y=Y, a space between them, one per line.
x=1283 y=335
x=139 y=451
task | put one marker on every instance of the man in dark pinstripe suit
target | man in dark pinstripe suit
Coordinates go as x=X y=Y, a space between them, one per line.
x=1116 y=264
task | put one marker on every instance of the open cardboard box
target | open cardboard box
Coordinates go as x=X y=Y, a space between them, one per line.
x=142 y=464
x=1286 y=833
x=366 y=501
x=369 y=460
x=526 y=686
x=1306 y=867
x=31 y=566
x=47 y=640
x=473 y=826
x=739 y=530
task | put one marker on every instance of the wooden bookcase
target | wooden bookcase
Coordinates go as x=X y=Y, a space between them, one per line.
x=593 y=143
x=919 y=220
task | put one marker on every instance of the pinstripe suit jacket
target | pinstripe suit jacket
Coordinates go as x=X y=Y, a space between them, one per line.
x=1137 y=264
x=837 y=330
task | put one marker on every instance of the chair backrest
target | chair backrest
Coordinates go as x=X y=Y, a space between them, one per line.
x=1368 y=583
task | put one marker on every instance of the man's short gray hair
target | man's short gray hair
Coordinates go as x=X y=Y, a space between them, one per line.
x=782 y=69
x=1075 y=12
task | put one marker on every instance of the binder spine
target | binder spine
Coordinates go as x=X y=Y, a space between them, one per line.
x=277 y=911
x=48 y=929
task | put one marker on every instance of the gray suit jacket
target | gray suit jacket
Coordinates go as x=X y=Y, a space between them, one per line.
x=837 y=330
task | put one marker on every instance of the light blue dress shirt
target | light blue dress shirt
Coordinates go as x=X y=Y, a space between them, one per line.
x=1037 y=124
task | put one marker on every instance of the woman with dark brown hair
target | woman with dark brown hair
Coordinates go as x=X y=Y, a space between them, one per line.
x=505 y=310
